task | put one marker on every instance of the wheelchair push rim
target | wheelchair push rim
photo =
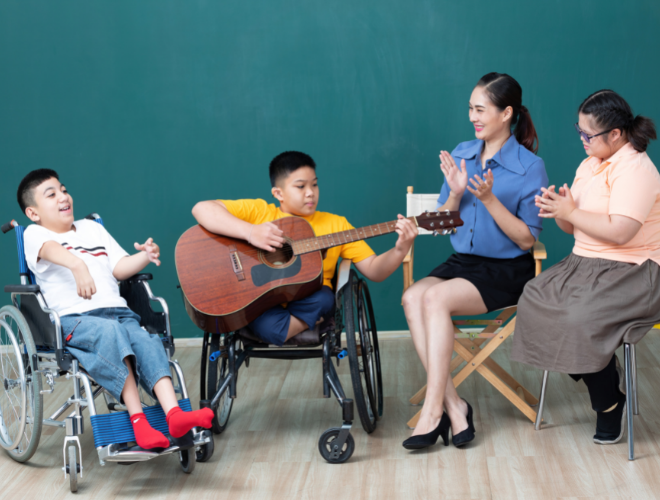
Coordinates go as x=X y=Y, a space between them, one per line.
x=218 y=369
x=20 y=390
x=362 y=345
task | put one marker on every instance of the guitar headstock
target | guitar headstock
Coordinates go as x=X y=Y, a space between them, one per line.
x=439 y=222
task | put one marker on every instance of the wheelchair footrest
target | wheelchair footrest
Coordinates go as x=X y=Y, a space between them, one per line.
x=111 y=428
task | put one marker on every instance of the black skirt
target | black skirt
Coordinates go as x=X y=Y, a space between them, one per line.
x=499 y=281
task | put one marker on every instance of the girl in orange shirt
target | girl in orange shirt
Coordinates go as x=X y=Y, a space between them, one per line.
x=574 y=316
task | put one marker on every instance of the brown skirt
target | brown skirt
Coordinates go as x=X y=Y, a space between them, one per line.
x=572 y=317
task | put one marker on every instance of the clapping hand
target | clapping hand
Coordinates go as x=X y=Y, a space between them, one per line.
x=555 y=205
x=455 y=177
x=482 y=188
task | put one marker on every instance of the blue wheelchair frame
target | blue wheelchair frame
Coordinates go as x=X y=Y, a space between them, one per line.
x=49 y=359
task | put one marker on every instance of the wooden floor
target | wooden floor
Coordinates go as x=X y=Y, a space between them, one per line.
x=269 y=450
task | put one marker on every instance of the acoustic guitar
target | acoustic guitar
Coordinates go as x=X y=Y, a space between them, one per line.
x=228 y=283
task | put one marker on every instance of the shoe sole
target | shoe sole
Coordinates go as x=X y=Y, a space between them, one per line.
x=623 y=430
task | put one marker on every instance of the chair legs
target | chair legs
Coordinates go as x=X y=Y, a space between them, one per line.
x=633 y=364
x=539 y=413
x=629 y=399
x=630 y=366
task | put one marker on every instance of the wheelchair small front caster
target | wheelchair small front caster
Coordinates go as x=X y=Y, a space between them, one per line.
x=72 y=467
x=205 y=451
x=336 y=445
x=187 y=459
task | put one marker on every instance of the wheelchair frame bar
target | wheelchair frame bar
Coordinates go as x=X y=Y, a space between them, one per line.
x=163 y=304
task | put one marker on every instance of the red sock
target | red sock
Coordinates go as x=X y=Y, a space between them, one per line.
x=180 y=421
x=146 y=436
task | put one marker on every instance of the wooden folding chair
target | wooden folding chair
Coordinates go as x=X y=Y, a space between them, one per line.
x=474 y=348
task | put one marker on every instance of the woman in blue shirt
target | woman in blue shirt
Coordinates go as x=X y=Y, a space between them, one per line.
x=494 y=189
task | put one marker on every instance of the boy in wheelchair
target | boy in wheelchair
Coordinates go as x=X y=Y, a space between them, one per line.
x=295 y=186
x=77 y=265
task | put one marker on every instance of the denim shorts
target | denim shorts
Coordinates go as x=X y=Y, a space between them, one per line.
x=273 y=326
x=103 y=338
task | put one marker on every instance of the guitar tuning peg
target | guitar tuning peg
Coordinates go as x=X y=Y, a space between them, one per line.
x=447 y=212
x=426 y=212
x=435 y=233
x=432 y=224
x=437 y=213
x=453 y=230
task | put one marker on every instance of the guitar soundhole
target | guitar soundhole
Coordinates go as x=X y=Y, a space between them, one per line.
x=282 y=257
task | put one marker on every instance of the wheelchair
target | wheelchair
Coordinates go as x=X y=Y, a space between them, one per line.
x=224 y=354
x=33 y=351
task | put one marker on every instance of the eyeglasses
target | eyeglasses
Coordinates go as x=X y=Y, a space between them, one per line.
x=587 y=138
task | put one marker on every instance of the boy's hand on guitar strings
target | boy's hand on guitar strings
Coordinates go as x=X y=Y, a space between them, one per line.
x=407 y=231
x=151 y=249
x=266 y=236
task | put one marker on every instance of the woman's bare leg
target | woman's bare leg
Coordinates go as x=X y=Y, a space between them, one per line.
x=413 y=307
x=440 y=303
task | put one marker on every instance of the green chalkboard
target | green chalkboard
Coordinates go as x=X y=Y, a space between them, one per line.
x=147 y=107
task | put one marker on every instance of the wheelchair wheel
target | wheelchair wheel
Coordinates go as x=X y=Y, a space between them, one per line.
x=217 y=371
x=362 y=346
x=205 y=452
x=187 y=460
x=326 y=446
x=21 y=401
x=72 y=467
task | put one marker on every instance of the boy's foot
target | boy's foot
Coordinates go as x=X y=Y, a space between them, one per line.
x=146 y=436
x=180 y=421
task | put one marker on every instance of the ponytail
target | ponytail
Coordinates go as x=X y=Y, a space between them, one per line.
x=504 y=91
x=609 y=111
x=525 y=131
x=641 y=132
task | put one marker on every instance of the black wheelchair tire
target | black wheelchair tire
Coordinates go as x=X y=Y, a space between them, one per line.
x=205 y=451
x=325 y=441
x=187 y=459
x=216 y=371
x=367 y=413
x=370 y=335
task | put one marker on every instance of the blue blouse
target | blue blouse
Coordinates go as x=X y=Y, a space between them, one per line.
x=518 y=176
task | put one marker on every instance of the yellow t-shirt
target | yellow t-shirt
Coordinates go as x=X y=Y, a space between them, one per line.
x=258 y=212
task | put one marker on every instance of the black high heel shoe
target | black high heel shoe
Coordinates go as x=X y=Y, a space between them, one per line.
x=426 y=440
x=464 y=437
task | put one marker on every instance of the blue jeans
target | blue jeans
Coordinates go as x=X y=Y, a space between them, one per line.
x=273 y=326
x=103 y=338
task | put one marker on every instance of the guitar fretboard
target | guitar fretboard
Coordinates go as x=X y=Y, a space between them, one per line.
x=335 y=239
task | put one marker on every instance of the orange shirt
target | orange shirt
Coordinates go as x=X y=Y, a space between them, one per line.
x=258 y=212
x=626 y=184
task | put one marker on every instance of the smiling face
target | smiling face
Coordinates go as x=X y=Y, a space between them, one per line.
x=52 y=207
x=298 y=192
x=602 y=146
x=489 y=121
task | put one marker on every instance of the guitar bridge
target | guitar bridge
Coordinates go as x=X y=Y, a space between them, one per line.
x=236 y=263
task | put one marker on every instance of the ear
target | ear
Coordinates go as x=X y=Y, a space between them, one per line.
x=277 y=193
x=507 y=113
x=32 y=214
x=615 y=135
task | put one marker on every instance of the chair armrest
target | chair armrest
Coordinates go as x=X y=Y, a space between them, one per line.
x=406 y=258
x=539 y=251
x=22 y=289
x=140 y=277
x=343 y=274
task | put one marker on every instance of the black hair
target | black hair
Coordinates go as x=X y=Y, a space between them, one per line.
x=25 y=194
x=504 y=91
x=285 y=163
x=610 y=111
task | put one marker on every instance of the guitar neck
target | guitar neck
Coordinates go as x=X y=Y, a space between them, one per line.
x=336 y=239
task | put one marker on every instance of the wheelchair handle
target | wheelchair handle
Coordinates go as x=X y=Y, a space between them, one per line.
x=8 y=226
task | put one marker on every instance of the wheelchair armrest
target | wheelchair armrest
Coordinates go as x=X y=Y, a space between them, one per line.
x=22 y=289
x=343 y=273
x=140 y=277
